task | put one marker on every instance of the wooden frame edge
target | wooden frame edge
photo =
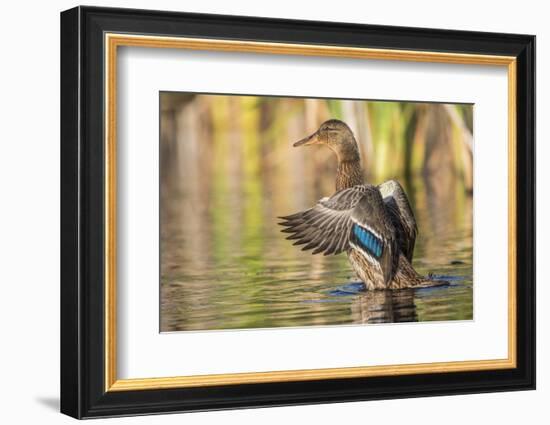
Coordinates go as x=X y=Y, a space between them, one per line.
x=306 y=375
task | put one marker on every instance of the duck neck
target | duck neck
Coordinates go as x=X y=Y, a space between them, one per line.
x=349 y=173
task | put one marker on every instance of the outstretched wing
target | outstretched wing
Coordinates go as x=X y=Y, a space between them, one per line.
x=325 y=227
x=351 y=218
x=399 y=209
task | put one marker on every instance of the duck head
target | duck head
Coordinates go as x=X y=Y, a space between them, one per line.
x=337 y=136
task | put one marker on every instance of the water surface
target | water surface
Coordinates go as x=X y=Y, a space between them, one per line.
x=231 y=268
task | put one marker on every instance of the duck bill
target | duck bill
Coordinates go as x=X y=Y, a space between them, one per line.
x=309 y=140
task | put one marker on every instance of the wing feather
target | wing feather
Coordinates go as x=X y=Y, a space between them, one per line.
x=327 y=227
x=401 y=214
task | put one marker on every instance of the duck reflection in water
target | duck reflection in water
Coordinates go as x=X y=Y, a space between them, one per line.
x=385 y=306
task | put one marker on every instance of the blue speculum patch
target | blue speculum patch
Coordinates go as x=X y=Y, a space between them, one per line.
x=368 y=241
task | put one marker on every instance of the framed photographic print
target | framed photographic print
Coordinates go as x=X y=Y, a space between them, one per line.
x=261 y=212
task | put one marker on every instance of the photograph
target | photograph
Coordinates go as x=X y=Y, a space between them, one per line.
x=280 y=212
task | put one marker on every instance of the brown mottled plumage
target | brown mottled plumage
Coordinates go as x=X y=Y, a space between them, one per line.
x=374 y=225
x=348 y=174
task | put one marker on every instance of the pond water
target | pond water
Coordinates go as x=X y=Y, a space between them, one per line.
x=226 y=265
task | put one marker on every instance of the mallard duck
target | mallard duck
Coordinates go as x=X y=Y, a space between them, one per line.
x=373 y=225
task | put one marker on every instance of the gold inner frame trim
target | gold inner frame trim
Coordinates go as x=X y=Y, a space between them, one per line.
x=113 y=41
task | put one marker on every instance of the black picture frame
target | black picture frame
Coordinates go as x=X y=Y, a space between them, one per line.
x=83 y=392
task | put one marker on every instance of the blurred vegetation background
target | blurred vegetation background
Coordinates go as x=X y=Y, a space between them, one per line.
x=228 y=169
x=401 y=139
